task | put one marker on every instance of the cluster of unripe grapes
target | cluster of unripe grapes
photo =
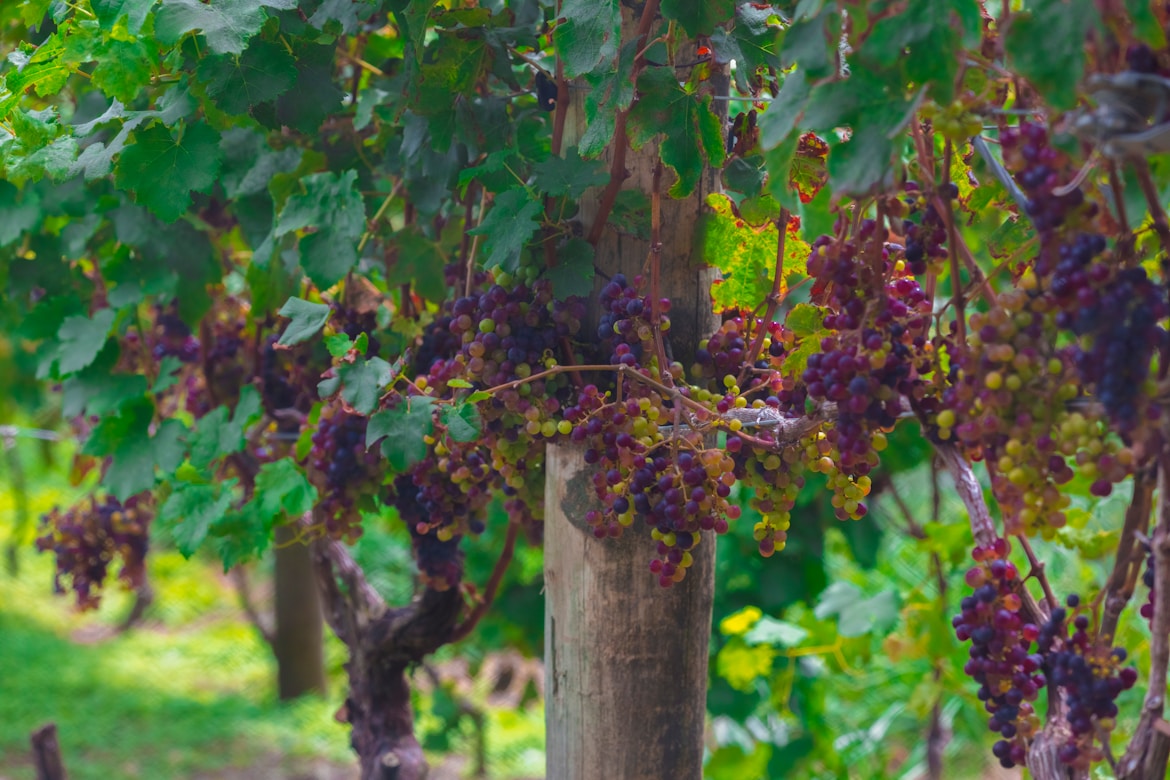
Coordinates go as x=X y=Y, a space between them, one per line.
x=1090 y=676
x=1014 y=402
x=86 y=538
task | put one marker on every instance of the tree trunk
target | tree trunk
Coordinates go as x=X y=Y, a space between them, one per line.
x=47 y=753
x=298 y=637
x=625 y=659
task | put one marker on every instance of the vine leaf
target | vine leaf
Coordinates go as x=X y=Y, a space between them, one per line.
x=589 y=33
x=81 y=339
x=227 y=24
x=691 y=130
x=569 y=176
x=463 y=422
x=333 y=207
x=190 y=510
x=307 y=318
x=217 y=435
x=123 y=69
x=698 y=17
x=574 y=271
x=507 y=228
x=403 y=430
x=362 y=382
x=745 y=255
x=125 y=437
x=108 y=12
x=162 y=171
x=262 y=73
x=420 y=263
x=282 y=490
x=1055 y=68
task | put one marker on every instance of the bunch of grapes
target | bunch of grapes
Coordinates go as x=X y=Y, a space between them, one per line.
x=172 y=337
x=87 y=537
x=439 y=560
x=1149 y=579
x=1014 y=401
x=1001 y=661
x=1091 y=677
x=343 y=470
x=627 y=327
x=1042 y=170
x=925 y=240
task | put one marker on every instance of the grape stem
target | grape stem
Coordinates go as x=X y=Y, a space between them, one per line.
x=1119 y=587
x=1149 y=750
x=491 y=588
x=773 y=300
x=1037 y=571
x=655 y=260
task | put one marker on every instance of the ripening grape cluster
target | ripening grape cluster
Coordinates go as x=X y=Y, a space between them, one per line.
x=627 y=329
x=925 y=240
x=875 y=359
x=1090 y=676
x=1012 y=660
x=1013 y=403
x=172 y=338
x=86 y=538
x=1149 y=580
x=439 y=560
x=1001 y=661
x=343 y=470
x=1115 y=311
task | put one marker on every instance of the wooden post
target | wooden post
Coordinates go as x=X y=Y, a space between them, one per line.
x=625 y=659
x=298 y=638
x=47 y=753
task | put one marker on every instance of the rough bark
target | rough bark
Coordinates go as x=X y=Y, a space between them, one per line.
x=297 y=641
x=625 y=659
x=383 y=644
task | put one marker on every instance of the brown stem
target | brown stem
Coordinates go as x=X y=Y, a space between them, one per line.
x=1037 y=571
x=1161 y=226
x=1119 y=587
x=655 y=260
x=493 y=585
x=948 y=214
x=617 y=168
x=970 y=492
x=772 y=301
x=1148 y=752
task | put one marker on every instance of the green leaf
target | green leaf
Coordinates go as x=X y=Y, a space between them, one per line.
x=348 y=14
x=307 y=318
x=216 y=436
x=402 y=430
x=108 y=13
x=698 y=17
x=282 y=490
x=362 y=382
x=419 y=262
x=569 y=176
x=1056 y=66
x=262 y=73
x=123 y=68
x=745 y=255
x=226 y=24
x=81 y=338
x=589 y=33
x=610 y=90
x=508 y=227
x=805 y=319
x=836 y=598
x=811 y=45
x=862 y=164
x=125 y=437
x=691 y=130
x=770 y=631
x=573 y=273
x=412 y=20
x=870 y=615
x=249 y=163
x=463 y=422
x=162 y=171
x=1145 y=23
x=189 y=511
x=98 y=390
x=21 y=210
x=338 y=344
x=333 y=206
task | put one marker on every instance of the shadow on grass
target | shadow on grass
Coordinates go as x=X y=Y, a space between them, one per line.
x=119 y=715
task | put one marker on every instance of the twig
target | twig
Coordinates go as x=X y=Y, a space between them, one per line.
x=1161 y=226
x=493 y=585
x=1119 y=587
x=773 y=299
x=970 y=492
x=381 y=212
x=467 y=283
x=617 y=168
x=1038 y=572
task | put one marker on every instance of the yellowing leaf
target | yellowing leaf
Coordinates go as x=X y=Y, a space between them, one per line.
x=740 y=622
x=741 y=665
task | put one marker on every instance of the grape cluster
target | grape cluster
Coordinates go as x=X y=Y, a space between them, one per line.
x=926 y=239
x=1001 y=661
x=1041 y=170
x=343 y=470
x=626 y=329
x=172 y=338
x=1149 y=580
x=439 y=560
x=1090 y=675
x=1012 y=402
x=1120 y=335
x=87 y=537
